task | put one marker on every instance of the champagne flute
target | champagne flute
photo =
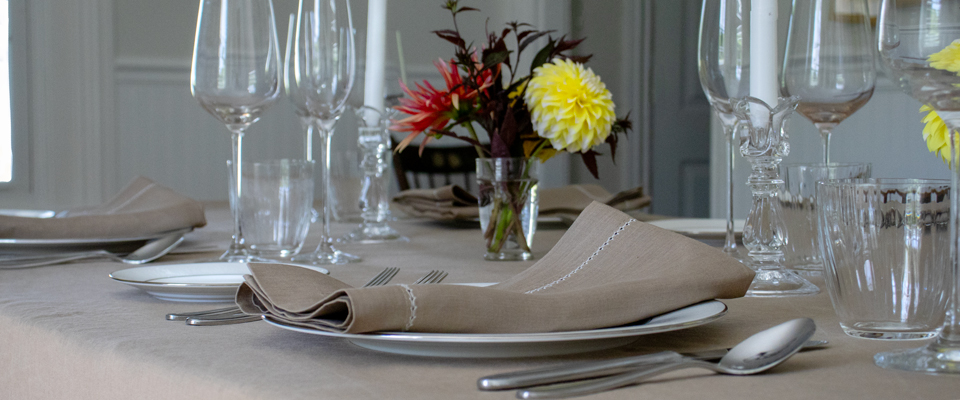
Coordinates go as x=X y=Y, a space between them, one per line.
x=913 y=35
x=236 y=76
x=829 y=62
x=293 y=90
x=325 y=61
x=723 y=64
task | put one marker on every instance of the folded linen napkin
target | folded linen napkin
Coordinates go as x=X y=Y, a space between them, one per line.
x=607 y=270
x=143 y=207
x=452 y=202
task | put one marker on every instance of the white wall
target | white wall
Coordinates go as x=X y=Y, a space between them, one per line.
x=165 y=135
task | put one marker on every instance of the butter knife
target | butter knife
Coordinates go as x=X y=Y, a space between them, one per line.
x=594 y=369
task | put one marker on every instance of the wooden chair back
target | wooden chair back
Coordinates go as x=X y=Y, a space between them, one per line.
x=438 y=166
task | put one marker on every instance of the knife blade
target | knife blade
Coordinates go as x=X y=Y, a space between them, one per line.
x=594 y=369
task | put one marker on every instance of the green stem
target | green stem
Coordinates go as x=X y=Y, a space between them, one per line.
x=473 y=135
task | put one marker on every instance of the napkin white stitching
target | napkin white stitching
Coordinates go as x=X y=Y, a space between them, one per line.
x=585 y=262
x=413 y=306
x=131 y=199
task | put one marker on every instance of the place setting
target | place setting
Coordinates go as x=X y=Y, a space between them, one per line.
x=832 y=275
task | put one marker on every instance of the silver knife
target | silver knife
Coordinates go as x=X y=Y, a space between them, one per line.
x=594 y=369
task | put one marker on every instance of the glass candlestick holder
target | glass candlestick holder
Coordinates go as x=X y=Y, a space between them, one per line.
x=376 y=153
x=763 y=142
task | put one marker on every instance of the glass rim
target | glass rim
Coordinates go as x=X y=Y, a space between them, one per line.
x=883 y=182
x=822 y=166
x=281 y=161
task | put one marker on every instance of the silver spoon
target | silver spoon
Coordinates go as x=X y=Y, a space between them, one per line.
x=758 y=353
x=150 y=251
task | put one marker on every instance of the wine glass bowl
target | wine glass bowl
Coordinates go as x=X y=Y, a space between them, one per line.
x=829 y=62
x=235 y=75
x=916 y=40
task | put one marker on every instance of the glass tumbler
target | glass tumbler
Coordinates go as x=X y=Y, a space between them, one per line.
x=276 y=207
x=798 y=202
x=886 y=252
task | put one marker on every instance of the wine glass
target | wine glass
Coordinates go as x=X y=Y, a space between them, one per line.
x=913 y=35
x=829 y=62
x=722 y=64
x=235 y=76
x=325 y=61
x=293 y=90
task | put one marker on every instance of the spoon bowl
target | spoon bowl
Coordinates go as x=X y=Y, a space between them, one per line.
x=757 y=353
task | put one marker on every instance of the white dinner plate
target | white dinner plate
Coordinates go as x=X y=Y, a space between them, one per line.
x=28 y=213
x=700 y=227
x=196 y=282
x=490 y=345
x=120 y=245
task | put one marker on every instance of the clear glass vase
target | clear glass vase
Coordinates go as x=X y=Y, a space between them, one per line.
x=508 y=206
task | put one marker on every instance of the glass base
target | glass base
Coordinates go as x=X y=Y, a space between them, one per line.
x=374 y=233
x=805 y=268
x=887 y=331
x=933 y=358
x=326 y=258
x=509 y=256
x=235 y=255
x=777 y=283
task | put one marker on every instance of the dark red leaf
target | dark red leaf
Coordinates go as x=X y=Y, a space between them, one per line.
x=590 y=160
x=564 y=44
x=497 y=146
x=580 y=59
x=451 y=36
x=533 y=35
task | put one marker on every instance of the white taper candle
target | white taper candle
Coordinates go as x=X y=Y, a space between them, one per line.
x=763 y=51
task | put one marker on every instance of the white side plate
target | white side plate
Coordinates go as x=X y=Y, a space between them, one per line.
x=197 y=282
x=700 y=227
x=476 y=345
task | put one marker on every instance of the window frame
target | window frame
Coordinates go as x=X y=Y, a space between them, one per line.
x=19 y=97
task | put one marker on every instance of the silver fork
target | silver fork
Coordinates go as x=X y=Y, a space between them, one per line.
x=380 y=279
x=434 y=276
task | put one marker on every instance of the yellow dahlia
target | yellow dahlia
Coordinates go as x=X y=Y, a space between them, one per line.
x=947 y=59
x=569 y=105
x=936 y=134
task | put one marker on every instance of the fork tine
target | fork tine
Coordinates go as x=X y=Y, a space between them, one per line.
x=425 y=277
x=440 y=277
x=434 y=276
x=383 y=277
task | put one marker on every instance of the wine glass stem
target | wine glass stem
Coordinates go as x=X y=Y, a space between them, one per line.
x=326 y=136
x=730 y=244
x=825 y=140
x=308 y=123
x=236 y=246
x=950 y=335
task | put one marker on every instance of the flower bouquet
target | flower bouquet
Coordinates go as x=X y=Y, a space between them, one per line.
x=935 y=132
x=559 y=105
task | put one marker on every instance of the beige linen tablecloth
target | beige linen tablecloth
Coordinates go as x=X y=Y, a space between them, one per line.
x=69 y=332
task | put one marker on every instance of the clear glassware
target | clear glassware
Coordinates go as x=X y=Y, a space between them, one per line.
x=829 y=62
x=294 y=92
x=376 y=152
x=235 y=76
x=910 y=32
x=723 y=65
x=324 y=54
x=763 y=142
